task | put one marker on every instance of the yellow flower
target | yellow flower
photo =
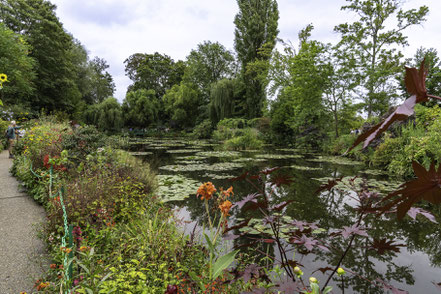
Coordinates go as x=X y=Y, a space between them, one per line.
x=340 y=271
x=3 y=78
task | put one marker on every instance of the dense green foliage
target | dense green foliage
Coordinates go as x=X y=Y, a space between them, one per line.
x=47 y=68
x=298 y=114
x=374 y=47
x=18 y=65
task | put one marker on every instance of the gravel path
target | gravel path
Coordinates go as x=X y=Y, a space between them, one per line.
x=21 y=252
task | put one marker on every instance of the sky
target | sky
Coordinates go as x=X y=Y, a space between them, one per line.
x=116 y=29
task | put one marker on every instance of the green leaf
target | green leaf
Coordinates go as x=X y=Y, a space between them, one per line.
x=197 y=280
x=223 y=262
x=83 y=267
x=210 y=244
x=327 y=290
x=315 y=288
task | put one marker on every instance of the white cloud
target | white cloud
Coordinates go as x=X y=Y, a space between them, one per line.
x=115 y=29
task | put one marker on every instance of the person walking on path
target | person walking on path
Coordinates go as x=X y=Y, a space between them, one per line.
x=11 y=134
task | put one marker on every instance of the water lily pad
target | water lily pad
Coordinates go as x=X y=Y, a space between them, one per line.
x=219 y=154
x=336 y=160
x=373 y=172
x=221 y=166
x=178 y=151
x=141 y=153
x=175 y=187
x=249 y=159
x=218 y=176
x=302 y=167
x=190 y=157
x=179 y=162
x=278 y=156
x=374 y=185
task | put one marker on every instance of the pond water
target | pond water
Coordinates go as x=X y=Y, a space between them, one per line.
x=183 y=165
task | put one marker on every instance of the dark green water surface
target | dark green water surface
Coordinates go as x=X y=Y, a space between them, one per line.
x=183 y=165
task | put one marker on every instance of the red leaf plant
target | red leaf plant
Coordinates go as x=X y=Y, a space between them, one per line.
x=427 y=186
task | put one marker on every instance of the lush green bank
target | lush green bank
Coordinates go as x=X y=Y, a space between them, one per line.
x=417 y=139
x=125 y=240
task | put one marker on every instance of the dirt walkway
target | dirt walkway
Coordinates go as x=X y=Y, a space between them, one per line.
x=21 y=252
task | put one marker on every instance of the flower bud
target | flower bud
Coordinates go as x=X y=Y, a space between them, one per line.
x=298 y=271
x=340 y=271
x=312 y=280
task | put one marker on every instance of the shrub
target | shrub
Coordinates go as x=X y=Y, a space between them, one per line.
x=386 y=152
x=248 y=139
x=203 y=130
x=82 y=141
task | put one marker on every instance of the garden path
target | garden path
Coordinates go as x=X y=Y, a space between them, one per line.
x=22 y=253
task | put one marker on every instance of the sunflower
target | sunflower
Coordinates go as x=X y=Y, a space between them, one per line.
x=3 y=78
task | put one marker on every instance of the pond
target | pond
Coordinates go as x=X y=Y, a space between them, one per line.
x=414 y=265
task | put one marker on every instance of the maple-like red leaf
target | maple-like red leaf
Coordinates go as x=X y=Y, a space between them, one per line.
x=329 y=185
x=323 y=269
x=269 y=170
x=414 y=211
x=382 y=245
x=354 y=229
x=402 y=112
x=238 y=226
x=281 y=180
x=289 y=287
x=251 y=270
x=307 y=242
x=415 y=81
x=281 y=206
x=248 y=198
x=239 y=178
x=427 y=186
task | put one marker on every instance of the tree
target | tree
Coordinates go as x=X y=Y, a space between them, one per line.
x=140 y=108
x=51 y=46
x=256 y=32
x=155 y=72
x=182 y=103
x=18 y=66
x=222 y=100
x=107 y=115
x=102 y=82
x=298 y=115
x=374 y=47
x=92 y=79
x=208 y=64
x=341 y=82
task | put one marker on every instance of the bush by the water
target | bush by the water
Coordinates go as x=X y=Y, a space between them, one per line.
x=236 y=134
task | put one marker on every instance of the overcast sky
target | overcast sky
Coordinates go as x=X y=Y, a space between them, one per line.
x=116 y=29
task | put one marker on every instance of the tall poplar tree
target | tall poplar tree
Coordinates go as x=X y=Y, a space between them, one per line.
x=375 y=47
x=255 y=35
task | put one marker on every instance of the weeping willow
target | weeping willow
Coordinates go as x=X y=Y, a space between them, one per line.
x=222 y=100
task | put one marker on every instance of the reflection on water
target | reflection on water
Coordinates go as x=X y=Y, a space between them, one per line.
x=184 y=165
